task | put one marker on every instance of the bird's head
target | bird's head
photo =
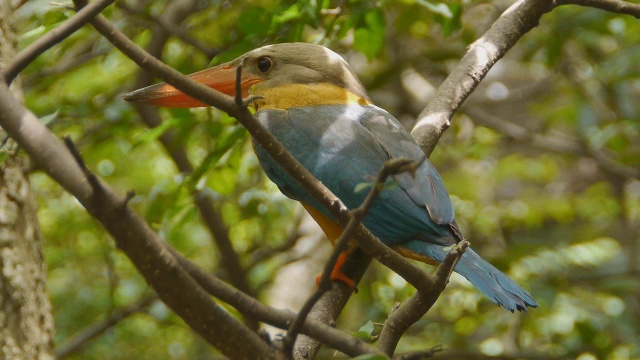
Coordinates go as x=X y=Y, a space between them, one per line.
x=283 y=75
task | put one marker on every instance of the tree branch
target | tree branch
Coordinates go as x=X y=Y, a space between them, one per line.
x=172 y=28
x=266 y=251
x=76 y=341
x=616 y=6
x=331 y=304
x=557 y=143
x=482 y=55
x=419 y=355
x=26 y=56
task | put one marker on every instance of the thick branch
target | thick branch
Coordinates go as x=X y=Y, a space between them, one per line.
x=330 y=305
x=482 y=55
x=26 y=56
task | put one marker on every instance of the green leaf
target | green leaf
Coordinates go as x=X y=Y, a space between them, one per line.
x=439 y=8
x=49 y=21
x=290 y=14
x=390 y=185
x=369 y=332
x=370 y=39
x=450 y=247
x=363 y=186
x=53 y=17
x=368 y=327
x=47 y=119
x=450 y=24
x=156 y=132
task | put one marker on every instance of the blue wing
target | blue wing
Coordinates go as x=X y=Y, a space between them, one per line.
x=346 y=145
x=425 y=187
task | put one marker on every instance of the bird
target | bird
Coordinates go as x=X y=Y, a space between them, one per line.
x=311 y=100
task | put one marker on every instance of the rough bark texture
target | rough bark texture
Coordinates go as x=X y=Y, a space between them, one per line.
x=26 y=321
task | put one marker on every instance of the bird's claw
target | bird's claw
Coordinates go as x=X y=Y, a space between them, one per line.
x=338 y=275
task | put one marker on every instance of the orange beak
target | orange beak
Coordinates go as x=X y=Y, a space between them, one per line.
x=221 y=78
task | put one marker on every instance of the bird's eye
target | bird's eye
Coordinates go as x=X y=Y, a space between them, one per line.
x=264 y=64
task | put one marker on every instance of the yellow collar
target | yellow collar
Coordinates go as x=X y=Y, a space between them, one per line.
x=298 y=95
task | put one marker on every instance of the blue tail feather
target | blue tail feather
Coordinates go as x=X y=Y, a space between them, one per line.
x=484 y=276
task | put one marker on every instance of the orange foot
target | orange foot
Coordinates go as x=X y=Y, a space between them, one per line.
x=338 y=275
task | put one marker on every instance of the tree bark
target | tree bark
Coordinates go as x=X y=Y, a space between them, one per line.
x=26 y=321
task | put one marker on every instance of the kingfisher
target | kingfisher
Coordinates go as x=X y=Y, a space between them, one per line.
x=311 y=100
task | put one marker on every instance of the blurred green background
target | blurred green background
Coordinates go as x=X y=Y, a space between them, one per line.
x=542 y=165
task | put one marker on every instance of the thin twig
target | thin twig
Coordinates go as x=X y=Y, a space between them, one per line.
x=264 y=251
x=26 y=56
x=616 y=6
x=412 y=310
x=91 y=177
x=76 y=341
x=323 y=285
x=553 y=142
x=172 y=28
x=238 y=97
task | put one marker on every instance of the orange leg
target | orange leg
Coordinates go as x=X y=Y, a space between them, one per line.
x=337 y=274
x=333 y=232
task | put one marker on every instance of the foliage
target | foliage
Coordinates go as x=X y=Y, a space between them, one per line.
x=559 y=218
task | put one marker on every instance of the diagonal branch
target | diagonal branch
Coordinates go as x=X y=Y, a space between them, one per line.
x=171 y=27
x=552 y=142
x=76 y=341
x=482 y=55
x=26 y=56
